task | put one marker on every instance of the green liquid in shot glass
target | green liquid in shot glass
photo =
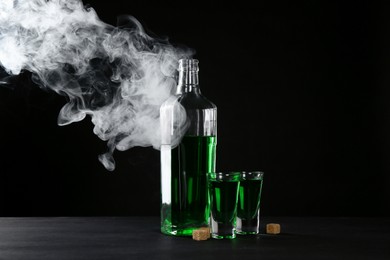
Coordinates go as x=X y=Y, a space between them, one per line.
x=248 y=208
x=249 y=199
x=223 y=199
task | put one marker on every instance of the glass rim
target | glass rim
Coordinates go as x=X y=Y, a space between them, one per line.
x=252 y=175
x=224 y=175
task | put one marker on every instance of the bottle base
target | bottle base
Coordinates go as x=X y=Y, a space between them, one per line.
x=173 y=231
x=180 y=228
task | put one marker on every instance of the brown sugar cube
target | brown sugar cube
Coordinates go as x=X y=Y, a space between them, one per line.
x=273 y=228
x=207 y=230
x=201 y=234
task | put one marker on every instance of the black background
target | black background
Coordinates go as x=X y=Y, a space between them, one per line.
x=302 y=90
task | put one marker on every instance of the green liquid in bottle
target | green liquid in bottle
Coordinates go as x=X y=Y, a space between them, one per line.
x=184 y=178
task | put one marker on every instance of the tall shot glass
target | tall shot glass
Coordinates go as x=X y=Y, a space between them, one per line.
x=248 y=208
x=223 y=192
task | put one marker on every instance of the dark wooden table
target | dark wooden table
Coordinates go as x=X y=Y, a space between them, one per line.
x=139 y=238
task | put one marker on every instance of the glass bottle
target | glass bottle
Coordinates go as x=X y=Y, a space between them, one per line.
x=188 y=153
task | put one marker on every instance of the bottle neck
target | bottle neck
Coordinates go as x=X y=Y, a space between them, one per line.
x=188 y=82
x=188 y=76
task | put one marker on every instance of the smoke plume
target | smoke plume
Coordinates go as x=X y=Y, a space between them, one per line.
x=119 y=76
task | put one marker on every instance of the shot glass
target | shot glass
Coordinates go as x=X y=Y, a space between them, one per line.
x=248 y=206
x=223 y=192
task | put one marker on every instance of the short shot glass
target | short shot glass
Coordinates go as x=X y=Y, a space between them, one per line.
x=248 y=205
x=223 y=192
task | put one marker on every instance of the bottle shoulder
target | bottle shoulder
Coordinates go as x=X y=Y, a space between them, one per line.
x=191 y=100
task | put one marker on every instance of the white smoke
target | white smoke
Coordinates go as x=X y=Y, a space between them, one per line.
x=118 y=76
